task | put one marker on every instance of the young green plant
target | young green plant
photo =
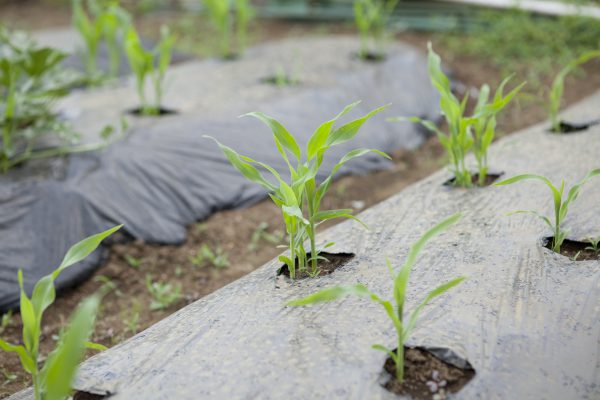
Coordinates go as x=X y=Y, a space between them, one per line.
x=53 y=380
x=395 y=309
x=594 y=245
x=149 y=65
x=558 y=87
x=217 y=258
x=299 y=197
x=163 y=294
x=460 y=138
x=371 y=18
x=226 y=15
x=114 y=20
x=31 y=80
x=561 y=204
x=91 y=31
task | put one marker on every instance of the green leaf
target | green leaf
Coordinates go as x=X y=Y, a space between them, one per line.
x=280 y=133
x=348 y=131
x=332 y=214
x=331 y=294
x=319 y=138
x=95 y=346
x=245 y=168
x=84 y=248
x=433 y=294
x=60 y=368
x=542 y=217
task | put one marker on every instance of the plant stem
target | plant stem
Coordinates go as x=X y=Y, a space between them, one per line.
x=400 y=360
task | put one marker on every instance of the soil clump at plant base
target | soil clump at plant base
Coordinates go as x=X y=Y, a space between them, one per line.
x=576 y=251
x=426 y=377
x=325 y=267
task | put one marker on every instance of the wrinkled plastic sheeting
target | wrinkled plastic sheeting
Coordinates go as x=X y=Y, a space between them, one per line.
x=525 y=318
x=166 y=175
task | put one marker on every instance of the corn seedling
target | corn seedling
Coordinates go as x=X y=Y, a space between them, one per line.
x=371 y=18
x=558 y=87
x=561 y=204
x=404 y=326
x=460 y=138
x=91 y=32
x=594 y=245
x=163 y=294
x=217 y=258
x=114 y=20
x=31 y=80
x=53 y=380
x=149 y=65
x=227 y=15
x=299 y=198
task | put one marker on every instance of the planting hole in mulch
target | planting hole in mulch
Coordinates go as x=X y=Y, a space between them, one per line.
x=161 y=112
x=326 y=267
x=489 y=179
x=426 y=376
x=87 y=396
x=370 y=57
x=576 y=251
x=281 y=81
x=568 y=127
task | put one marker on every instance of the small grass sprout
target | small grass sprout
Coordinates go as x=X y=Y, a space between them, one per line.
x=6 y=320
x=465 y=133
x=163 y=294
x=149 y=65
x=132 y=261
x=558 y=87
x=561 y=203
x=53 y=380
x=299 y=197
x=594 y=245
x=227 y=15
x=217 y=258
x=261 y=233
x=395 y=308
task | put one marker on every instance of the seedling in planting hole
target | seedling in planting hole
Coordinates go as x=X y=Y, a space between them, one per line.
x=558 y=87
x=217 y=258
x=114 y=20
x=149 y=64
x=561 y=205
x=595 y=245
x=460 y=138
x=261 y=232
x=163 y=294
x=224 y=15
x=404 y=326
x=132 y=261
x=91 y=33
x=371 y=18
x=301 y=194
x=53 y=380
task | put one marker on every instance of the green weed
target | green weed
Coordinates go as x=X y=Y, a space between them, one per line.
x=217 y=258
x=261 y=233
x=163 y=294
x=53 y=380
x=299 y=198
x=132 y=261
x=594 y=245
x=561 y=204
x=6 y=320
x=403 y=326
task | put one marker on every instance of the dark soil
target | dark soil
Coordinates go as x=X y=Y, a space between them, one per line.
x=489 y=179
x=284 y=81
x=570 y=127
x=370 y=57
x=576 y=251
x=324 y=267
x=126 y=311
x=426 y=376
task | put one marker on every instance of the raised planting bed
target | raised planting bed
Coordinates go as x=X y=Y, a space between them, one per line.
x=165 y=175
x=525 y=318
